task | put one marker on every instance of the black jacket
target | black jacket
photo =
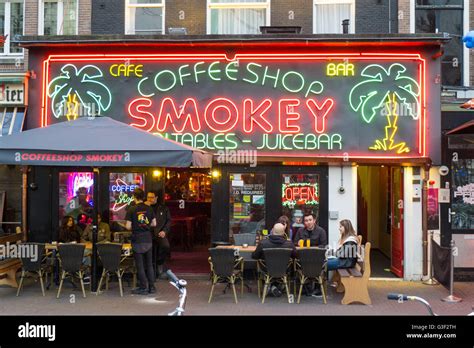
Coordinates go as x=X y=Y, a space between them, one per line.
x=273 y=242
x=68 y=235
x=163 y=218
x=317 y=236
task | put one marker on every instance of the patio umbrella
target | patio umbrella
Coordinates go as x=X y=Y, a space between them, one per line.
x=97 y=142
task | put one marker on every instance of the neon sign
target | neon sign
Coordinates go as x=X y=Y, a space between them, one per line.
x=122 y=186
x=79 y=180
x=316 y=105
x=121 y=191
x=299 y=194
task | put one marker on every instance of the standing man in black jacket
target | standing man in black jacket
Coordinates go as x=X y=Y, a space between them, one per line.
x=161 y=245
x=316 y=234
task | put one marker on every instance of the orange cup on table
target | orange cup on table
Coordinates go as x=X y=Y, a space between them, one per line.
x=301 y=243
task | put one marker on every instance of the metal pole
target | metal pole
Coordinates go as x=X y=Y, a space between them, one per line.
x=451 y=298
x=94 y=283
x=424 y=216
x=430 y=280
x=24 y=202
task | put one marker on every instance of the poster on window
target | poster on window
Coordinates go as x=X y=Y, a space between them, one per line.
x=433 y=209
x=462 y=205
x=247 y=203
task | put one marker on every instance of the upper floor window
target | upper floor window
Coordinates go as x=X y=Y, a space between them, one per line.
x=11 y=24
x=329 y=14
x=237 y=16
x=145 y=17
x=444 y=16
x=58 y=17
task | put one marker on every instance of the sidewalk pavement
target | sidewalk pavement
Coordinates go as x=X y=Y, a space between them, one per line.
x=109 y=302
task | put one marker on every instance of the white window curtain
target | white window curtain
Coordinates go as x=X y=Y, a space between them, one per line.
x=328 y=17
x=237 y=16
x=237 y=21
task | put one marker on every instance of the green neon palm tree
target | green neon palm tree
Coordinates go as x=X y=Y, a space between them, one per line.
x=75 y=88
x=382 y=92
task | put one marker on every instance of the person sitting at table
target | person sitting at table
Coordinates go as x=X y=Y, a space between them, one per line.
x=161 y=245
x=69 y=231
x=103 y=231
x=275 y=240
x=285 y=221
x=345 y=255
x=316 y=234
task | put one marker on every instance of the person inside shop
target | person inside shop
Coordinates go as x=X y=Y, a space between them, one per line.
x=275 y=240
x=79 y=204
x=345 y=255
x=161 y=245
x=140 y=219
x=103 y=231
x=83 y=220
x=69 y=231
x=312 y=232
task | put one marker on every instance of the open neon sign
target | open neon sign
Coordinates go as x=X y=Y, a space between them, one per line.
x=299 y=194
x=283 y=103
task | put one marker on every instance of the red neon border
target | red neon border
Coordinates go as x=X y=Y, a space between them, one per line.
x=256 y=56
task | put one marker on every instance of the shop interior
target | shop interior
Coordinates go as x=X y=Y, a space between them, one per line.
x=373 y=216
x=188 y=196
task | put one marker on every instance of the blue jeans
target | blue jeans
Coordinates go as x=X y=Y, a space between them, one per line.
x=333 y=264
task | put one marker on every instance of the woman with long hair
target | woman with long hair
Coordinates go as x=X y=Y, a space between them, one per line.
x=69 y=231
x=285 y=221
x=345 y=255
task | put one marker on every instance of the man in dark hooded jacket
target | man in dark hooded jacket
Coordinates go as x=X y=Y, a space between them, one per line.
x=275 y=240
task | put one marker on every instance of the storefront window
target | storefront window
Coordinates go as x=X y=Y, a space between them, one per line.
x=462 y=205
x=247 y=203
x=187 y=186
x=299 y=195
x=121 y=186
x=76 y=194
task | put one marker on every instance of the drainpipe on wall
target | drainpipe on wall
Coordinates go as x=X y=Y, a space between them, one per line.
x=424 y=217
x=24 y=201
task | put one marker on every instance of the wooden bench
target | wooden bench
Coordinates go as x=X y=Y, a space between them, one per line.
x=9 y=267
x=354 y=281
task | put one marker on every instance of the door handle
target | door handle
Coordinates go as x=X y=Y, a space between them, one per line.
x=450 y=213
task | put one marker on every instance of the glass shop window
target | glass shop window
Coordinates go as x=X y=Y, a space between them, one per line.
x=247 y=203
x=76 y=194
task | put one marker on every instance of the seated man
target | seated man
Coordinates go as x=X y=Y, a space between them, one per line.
x=275 y=240
x=316 y=234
